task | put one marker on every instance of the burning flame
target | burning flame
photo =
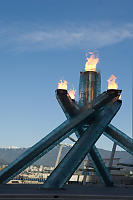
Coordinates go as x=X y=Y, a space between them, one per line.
x=72 y=93
x=62 y=84
x=91 y=63
x=111 y=82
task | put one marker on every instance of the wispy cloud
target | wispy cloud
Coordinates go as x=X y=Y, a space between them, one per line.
x=42 y=38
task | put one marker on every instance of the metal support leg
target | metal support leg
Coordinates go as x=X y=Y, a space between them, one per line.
x=43 y=146
x=75 y=156
x=119 y=138
x=101 y=170
x=99 y=166
x=70 y=110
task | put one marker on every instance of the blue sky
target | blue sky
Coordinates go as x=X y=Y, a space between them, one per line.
x=43 y=41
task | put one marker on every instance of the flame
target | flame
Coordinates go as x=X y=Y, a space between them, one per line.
x=62 y=84
x=72 y=93
x=91 y=63
x=111 y=82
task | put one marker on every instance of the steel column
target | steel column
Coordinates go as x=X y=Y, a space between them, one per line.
x=75 y=156
x=89 y=87
x=119 y=138
x=68 y=105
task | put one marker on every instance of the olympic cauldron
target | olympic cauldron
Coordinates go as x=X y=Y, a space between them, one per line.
x=88 y=119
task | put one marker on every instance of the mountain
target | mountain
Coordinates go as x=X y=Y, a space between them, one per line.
x=7 y=155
